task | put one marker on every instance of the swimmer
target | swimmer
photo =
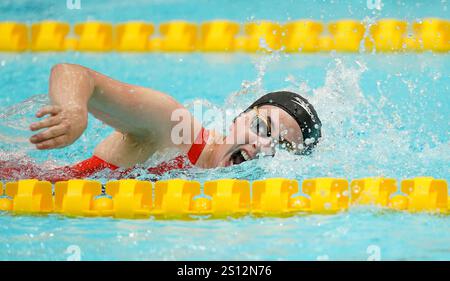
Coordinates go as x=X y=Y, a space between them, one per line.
x=143 y=123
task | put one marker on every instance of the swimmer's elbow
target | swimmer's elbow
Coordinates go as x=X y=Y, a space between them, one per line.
x=61 y=68
x=64 y=72
x=70 y=82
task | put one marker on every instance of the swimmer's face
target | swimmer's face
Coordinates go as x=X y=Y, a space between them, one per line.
x=259 y=132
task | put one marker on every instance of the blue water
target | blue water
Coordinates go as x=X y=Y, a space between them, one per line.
x=382 y=114
x=201 y=10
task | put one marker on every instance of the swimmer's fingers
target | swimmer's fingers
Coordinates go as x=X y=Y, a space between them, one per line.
x=49 y=109
x=46 y=123
x=57 y=142
x=50 y=133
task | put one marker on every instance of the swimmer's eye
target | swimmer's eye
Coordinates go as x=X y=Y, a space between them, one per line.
x=261 y=127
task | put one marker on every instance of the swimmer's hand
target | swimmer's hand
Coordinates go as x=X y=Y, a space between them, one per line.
x=62 y=128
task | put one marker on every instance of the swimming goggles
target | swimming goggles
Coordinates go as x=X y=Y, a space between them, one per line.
x=262 y=127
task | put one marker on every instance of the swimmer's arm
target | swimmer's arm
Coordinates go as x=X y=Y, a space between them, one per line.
x=139 y=112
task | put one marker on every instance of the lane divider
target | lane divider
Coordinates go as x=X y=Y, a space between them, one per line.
x=185 y=199
x=347 y=35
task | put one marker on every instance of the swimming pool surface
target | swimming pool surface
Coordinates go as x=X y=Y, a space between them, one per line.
x=382 y=114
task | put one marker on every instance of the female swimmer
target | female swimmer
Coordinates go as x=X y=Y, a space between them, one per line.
x=147 y=121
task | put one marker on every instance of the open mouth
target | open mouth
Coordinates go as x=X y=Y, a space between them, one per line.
x=239 y=156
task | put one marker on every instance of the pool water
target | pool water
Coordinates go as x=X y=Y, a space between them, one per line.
x=382 y=114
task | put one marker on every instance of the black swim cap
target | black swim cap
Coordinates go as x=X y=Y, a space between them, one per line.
x=300 y=109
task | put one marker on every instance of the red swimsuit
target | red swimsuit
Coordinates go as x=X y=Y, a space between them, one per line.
x=94 y=165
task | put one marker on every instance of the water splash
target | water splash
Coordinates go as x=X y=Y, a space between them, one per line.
x=15 y=120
